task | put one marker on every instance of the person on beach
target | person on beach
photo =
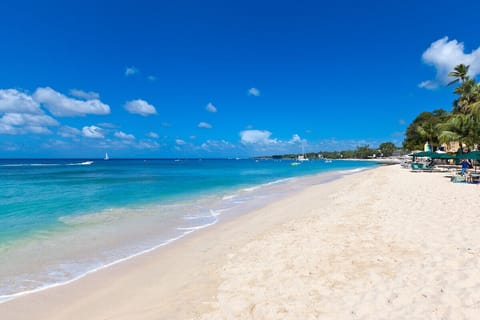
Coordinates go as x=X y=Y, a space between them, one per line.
x=464 y=167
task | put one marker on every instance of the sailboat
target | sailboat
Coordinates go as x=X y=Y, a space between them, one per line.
x=106 y=156
x=302 y=157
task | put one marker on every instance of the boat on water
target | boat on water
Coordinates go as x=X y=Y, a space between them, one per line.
x=106 y=156
x=302 y=157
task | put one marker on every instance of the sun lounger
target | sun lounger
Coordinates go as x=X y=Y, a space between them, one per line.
x=421 y=167
x=458 y=179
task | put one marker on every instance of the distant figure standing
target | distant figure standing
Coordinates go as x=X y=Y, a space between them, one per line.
x=464 y=166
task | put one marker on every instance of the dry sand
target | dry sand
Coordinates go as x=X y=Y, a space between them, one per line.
x=381 y=244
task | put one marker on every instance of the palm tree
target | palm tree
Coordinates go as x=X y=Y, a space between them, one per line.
x=460 y=73
x=428 y=131
x=459 y=127
x=468 y=93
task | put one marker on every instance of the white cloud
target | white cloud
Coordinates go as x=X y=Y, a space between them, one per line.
x=211 y=108
x=130 y=71
x=152 y=78
x=180 y=142
x=93 y=132
x=108 y=125
x=216 y=145
x=68 y=132
x=90 y=95
x=254 y=92
x=152 y=135
x=295 y=138
x=21 y=119
x=444 y=55
x=38 y=130
x=140 y=107
x=22 y=123
x=9 y=146
x=12 y=100
x=204 y=125
x=147 y=144
x=123 y=135
x=428 y=84
x=63 y=106
x=257 y=137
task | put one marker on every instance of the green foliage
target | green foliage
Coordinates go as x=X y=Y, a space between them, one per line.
x=424 y=129
x=387 y=148
x=461 y=125
x=460 y=72
x=361 y=152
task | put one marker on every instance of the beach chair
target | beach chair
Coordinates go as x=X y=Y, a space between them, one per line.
x=422 y=167
x=458 y=179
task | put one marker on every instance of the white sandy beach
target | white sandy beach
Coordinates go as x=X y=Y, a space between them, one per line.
x=381 y=244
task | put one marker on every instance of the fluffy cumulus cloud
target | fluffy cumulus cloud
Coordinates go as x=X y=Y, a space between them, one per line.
x=93 y=132
x=125 y=136
x=62 y=106
x=254 y=92
x=152 y=135
x=444 y=55
x=90 y=95
x=68 y=132
x=147 y=145
x=216 y=145
x=130 y=71
x=296 y=138
x=180 y=142
x=211 y=108
x=205 y=125
x=257 y=137
x=140 y=107
x=12 y=100
x=22 y=123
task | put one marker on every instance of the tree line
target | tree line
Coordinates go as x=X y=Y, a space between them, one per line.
x=385 y=149
x=461 y=124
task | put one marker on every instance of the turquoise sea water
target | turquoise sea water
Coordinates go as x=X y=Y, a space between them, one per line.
x=61 y=219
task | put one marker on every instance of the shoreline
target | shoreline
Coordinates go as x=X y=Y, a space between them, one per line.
x=363 y=243
x=270 y=192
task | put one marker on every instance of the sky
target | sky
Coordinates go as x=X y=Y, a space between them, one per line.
x=224 y=78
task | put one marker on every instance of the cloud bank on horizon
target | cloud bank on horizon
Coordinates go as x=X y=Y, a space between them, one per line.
x=444 y=55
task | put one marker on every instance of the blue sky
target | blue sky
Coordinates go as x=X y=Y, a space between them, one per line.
x=223 y=78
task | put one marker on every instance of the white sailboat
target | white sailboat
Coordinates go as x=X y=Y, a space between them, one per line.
x=302 y=157
x=106 y=156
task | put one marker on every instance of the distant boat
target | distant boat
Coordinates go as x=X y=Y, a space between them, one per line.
x=302 y=157
x=106 y=156
x=294 y=164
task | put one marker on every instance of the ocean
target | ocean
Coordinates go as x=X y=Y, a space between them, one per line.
x=64 y=218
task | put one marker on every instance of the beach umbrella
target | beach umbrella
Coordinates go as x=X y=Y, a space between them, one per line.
x=473 y=155
x=443 y=155
x=433 y=155
x=422 y=154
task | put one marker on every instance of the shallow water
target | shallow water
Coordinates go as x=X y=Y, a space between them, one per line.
x=62 y=219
